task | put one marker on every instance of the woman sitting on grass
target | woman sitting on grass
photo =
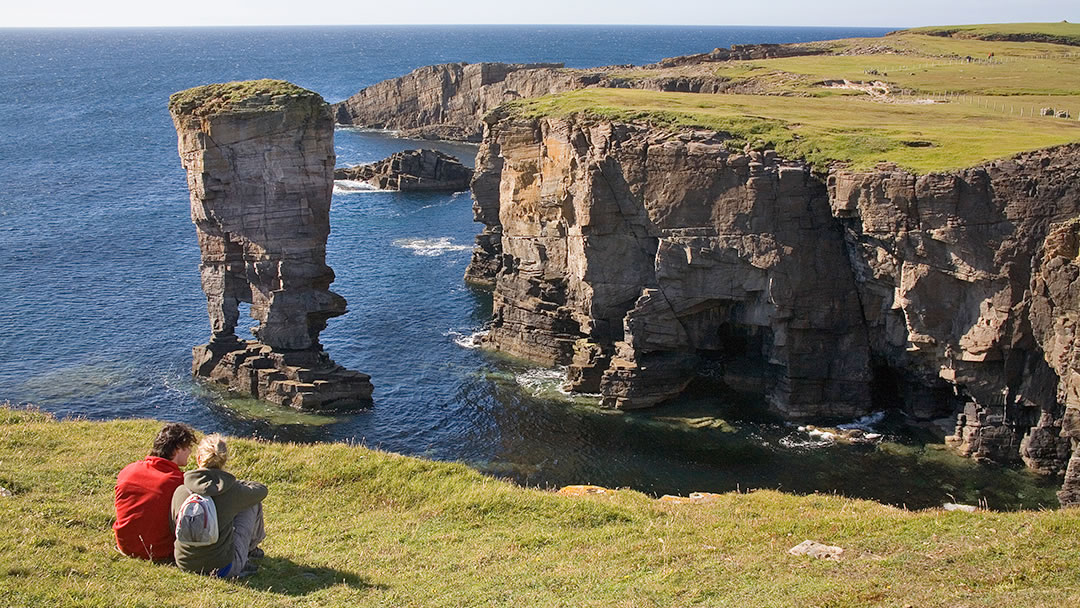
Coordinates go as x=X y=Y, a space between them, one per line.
x=239 y=514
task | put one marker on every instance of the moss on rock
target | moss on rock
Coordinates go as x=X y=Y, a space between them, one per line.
x=240 y=96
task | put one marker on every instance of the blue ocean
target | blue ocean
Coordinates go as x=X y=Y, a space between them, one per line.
x=101 y=304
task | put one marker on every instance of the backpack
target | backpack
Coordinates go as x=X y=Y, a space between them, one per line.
x=196 y=521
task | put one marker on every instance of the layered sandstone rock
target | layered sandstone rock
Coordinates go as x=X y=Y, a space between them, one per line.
x=643 y=257
x=412 y=170
x=260 y=157
x=448 y=101
x=637 y=282
x=944 y=265
x=1055 y=314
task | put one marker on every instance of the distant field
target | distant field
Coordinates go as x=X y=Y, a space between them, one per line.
x=937 y=103
x=1061 y=32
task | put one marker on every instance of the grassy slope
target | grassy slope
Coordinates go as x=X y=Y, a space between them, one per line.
x=825 y=125
x=1062 y=31
x=353 y=527
x=854 y=129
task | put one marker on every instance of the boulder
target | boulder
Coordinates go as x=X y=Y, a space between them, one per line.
x=412 y=170
x=817 y=550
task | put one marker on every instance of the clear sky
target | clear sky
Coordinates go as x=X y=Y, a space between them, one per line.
x=890 y=13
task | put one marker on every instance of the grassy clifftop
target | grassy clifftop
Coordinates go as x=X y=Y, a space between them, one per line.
x=925 y=102
x=353 y=527
x=1061 y=32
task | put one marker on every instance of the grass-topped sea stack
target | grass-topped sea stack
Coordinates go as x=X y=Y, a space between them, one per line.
x=260 y=162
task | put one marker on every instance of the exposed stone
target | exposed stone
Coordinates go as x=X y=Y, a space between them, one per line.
x=449 y=101
x=872 y=289
x=817 y=550
x=744 y=52
x=452 y=95
x=259 y=157
x=412 y=170
x=584 y=491
x=949 y=506
x=1055 y=315
x=633 y=282
x=694 y=498
x=5 y=493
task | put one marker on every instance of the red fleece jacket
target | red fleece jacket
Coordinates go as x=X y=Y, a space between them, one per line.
x=144 y=491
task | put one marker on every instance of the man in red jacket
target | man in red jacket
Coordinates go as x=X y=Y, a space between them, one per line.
x=144 y=491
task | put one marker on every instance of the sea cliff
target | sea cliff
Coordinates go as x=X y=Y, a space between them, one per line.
x=448 y=101
x=848 y=232
x=642 y=257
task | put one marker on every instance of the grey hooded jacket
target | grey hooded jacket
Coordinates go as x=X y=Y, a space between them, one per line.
x=230 y=497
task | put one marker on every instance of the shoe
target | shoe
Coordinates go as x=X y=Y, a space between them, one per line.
x=256 y=553
x=249 y=569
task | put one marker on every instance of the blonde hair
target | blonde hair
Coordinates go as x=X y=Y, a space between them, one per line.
x=212 y=452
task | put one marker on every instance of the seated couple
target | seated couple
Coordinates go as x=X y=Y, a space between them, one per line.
x=149 y=494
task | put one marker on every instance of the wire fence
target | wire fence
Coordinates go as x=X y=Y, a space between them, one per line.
x=1011 y=106
x=1014 y=106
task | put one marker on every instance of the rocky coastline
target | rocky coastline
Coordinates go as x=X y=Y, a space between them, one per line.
x=448 y=101
x=946 y=295
x=642 y=256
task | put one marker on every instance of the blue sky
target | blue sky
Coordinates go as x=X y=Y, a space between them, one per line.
x=895 y=13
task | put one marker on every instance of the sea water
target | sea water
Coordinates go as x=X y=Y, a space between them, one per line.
x=101 y=304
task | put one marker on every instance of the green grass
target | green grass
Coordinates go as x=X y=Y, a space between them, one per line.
x=1061 y=32
x=1018 y=75
x=856 y=131
x=349 y=526
x=799 y=109
x=231 y=96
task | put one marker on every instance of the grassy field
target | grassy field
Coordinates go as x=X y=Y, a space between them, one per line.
x=856 y=130
x=938 y=103
x=353 y=527
x=1062 y=32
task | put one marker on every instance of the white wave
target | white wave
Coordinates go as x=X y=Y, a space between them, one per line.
x=866 y=423
x=351 y=186
x=539 y=381
x=797 y=441
x=469 y=341
x=431 y=247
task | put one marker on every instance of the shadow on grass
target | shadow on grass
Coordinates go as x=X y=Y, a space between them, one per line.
x=286 y=577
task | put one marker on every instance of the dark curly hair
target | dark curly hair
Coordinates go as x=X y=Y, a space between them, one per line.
x=173 y=437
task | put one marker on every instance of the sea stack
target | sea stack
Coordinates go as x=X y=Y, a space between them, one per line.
x=260 y=159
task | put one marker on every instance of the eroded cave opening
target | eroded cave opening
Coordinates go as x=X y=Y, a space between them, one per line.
x=731 y=368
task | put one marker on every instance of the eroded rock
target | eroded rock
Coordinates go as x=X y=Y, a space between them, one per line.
x=634 y=281
x=640 y=256
x=260 y=157
x=412 y=170
x=449 y=101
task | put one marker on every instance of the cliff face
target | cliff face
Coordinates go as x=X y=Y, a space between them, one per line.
x=260 y=159
x=448 y=101
x=642 y=258
x=1055 y=311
